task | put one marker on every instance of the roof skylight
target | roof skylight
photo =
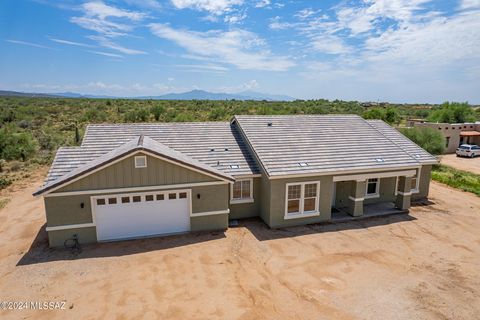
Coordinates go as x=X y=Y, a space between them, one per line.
x=303 y=164
x=234 y=166
x=380 y=160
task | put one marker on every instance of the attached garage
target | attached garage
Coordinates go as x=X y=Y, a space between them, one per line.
x=140 y=189
x=135 y=215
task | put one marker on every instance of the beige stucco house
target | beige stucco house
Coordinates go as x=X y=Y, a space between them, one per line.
x=455 y=134
x=137 y=180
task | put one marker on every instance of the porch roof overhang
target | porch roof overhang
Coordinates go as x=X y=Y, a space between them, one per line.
x=470 y=133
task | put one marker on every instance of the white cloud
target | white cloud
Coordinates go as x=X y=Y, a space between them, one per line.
x=241 y=48
x=250 y=85
x=362 y=19
x=469 y=4
x=26 y=43
x=262 y=3
x=441 y=41
x=330 y=44
x=95 y=18
x=216 y=7
x=202 y=67
x=104 y=42
x=106 y=54
x=305 y=13
x=102 y=11
x=277 y=24
x=72 y=43
x=235 y=18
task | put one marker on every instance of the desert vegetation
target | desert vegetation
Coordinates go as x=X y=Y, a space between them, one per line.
x=31 y=129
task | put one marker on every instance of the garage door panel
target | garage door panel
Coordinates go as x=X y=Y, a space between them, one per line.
x=144 y=218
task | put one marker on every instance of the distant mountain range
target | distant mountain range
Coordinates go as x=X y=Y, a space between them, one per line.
x=189 y=95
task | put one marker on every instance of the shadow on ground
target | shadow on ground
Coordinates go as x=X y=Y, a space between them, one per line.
x=39 y=252
x=262 y=232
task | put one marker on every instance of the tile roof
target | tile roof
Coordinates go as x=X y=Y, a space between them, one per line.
x=303 y=144
x=138 y=143
x=196 y=140
x=308 y=144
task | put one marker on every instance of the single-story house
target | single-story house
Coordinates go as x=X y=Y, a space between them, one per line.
x=137 y=180
x=455 y=134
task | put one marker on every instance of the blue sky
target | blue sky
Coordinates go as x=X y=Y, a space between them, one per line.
x=368 y=50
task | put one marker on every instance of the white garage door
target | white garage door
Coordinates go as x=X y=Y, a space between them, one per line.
x=141 y=214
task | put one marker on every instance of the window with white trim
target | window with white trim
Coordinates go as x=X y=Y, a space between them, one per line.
x=372 y=188
x=242 y=190
x=302 y=199
x=140 y=162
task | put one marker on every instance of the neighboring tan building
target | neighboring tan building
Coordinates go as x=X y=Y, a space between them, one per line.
x=455 y=134
x=136 y=180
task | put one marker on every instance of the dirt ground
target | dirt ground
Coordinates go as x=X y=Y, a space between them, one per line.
x=419 y=266
x=466 y=164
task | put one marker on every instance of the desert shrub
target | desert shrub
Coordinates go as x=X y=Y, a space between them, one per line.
x=429 y=139
x=157 y=111
x=94 y=115
x=4 y=182
x=389 y=115
x=453 y=112
x=15 y=165
x=16 y=145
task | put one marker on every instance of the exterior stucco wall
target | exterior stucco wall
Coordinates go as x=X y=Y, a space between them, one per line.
x=276 y=214
x=123 y=174
x=84 y=235
x=451 y=132
x=67 y=210
x=210 y=222
x=210 y=198
x=247 y=210
x=424 y=187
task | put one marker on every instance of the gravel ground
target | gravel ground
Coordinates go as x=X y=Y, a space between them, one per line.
x=466 y=164
x=424 y=265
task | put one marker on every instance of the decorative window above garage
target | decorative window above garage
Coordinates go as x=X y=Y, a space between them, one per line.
x=140 y=162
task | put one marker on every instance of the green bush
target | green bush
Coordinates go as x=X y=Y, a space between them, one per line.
x=453 y=112
x=4 y=182
x=389 y=115
x=157 y=111
x=16 y=145
x=429 y=139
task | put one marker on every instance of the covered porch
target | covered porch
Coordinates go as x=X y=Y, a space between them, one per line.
x=470 y=137
x=372 y=194
x=371 y=210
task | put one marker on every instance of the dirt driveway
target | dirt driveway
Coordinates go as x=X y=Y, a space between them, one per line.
x=419 y=266
x=466 y=164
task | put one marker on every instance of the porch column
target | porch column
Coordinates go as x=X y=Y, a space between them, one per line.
x=404 y=193
x=355 y=199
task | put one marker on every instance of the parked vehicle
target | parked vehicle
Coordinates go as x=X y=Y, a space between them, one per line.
x=468 y=150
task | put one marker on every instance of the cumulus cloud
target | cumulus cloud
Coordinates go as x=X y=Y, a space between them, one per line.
x=240 y=48
x=216 y=7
